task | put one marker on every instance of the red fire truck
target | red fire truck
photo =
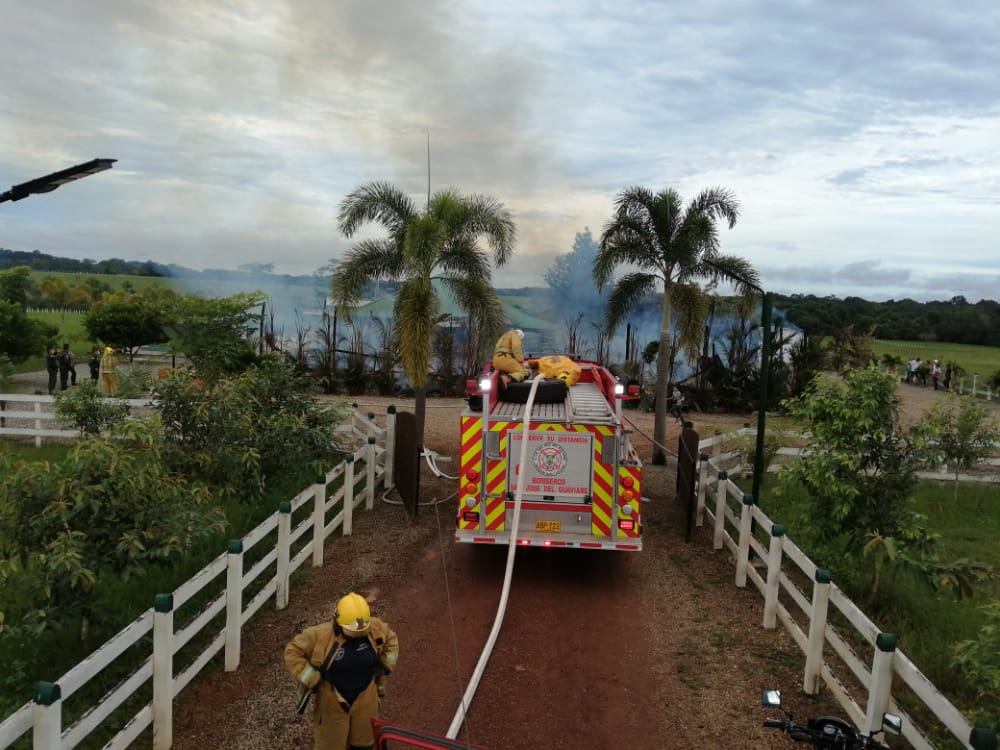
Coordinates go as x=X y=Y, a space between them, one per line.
x=582 y=477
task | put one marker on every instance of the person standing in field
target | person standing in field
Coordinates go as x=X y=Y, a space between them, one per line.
x=94 y=363
x=936 y=373
x=52 y=367
x=109 y=371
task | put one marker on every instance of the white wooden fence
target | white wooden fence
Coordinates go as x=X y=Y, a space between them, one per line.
x=27 y=415
x=286 y=540
x=830 y=656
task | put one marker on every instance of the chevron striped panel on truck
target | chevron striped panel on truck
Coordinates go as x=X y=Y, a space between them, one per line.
x=496 y=480
x=471 y=459
x=600 y=522
x=635 y=474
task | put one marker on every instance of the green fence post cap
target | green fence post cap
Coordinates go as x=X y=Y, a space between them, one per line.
x=47 y=693
x=777 y=530
x=163 y=602
x=285 y=506
x=235 y=546
x=391 y=409
x=703 y=456
x=371 y=415
x=349 y=458
x=748 y=499
x=885 y=642
x=723 y=474
x=371 y=440
x=823 y=575
x=983 y=738
x=320 y=479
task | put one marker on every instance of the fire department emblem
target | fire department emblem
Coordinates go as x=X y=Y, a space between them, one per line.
x=550 y=459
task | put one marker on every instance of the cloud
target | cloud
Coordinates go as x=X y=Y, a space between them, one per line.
x=850 y=132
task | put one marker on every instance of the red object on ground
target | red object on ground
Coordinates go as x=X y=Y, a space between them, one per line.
x=384 y=731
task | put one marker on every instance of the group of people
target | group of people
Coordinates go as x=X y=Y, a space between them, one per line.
x=917 y=371
x=61 y=367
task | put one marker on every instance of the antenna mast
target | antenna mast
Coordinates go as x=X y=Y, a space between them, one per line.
x=428 y=168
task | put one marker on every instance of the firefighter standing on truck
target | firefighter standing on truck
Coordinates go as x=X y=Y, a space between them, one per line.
x=508 y=356
x=344 y=663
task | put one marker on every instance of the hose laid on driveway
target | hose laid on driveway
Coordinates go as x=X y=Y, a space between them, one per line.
x=484 y=657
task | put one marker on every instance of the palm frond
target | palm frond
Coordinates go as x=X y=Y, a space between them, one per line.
x=690 y=303
x=717 y=203
x=423 y=243
x=734 y=269
x=367 y=261
x=628 y=290
x=416 y=310
x=490 y=219
x=462 y=256
x=378 y=202
x=478 y=298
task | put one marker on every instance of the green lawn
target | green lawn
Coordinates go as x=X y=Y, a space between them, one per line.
x=928 y=623
x=984 y=360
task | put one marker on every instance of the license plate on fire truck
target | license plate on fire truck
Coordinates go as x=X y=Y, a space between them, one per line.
x=546 y=526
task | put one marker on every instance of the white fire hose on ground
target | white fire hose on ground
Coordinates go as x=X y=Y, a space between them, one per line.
x=484 y=657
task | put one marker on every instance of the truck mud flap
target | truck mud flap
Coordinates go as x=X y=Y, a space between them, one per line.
x=548 y=392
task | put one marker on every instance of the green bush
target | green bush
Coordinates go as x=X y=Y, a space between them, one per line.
x=85 y=409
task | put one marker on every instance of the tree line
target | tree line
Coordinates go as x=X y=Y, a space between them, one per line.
x=953 y=321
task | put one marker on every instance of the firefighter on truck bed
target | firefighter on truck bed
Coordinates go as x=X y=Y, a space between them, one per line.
x=581 y=478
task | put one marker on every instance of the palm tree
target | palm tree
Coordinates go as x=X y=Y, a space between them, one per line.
x=673 y=246
x=439 y=244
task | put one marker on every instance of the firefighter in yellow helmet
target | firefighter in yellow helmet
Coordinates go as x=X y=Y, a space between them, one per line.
x=109 y=371
x=344 y=663
x=508 y=355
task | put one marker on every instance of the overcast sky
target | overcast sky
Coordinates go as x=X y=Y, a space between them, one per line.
x=861 y=138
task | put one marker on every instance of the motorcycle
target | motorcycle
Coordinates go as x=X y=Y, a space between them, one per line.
x=829 y=732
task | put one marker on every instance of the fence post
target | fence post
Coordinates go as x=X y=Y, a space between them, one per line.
x=284 y=574
x=46 y=717
x=234 y=603
x=878 y=691
x=370 y=474
x=817 y=631
x=743 y=549
x=982 y=738
x=163 y=671
x=699 y=516
x=390 y=448
x=773 y=576
x=319 y=519
x=38 y=424
x=720 y=509
x=348 y=526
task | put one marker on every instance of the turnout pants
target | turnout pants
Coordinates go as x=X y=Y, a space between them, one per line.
x=337 y=729
x=509 y=364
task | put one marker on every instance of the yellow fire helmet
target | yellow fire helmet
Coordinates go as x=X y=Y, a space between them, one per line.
x=353 y=615
x=108 y=350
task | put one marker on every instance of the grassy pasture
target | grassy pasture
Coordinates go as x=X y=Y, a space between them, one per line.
x=984 y=360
